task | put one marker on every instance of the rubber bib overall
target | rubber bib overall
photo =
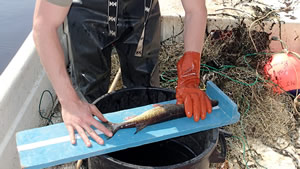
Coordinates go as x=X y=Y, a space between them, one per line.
x=96 y=26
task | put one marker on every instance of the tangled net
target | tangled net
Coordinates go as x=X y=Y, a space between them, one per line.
x=234 y=59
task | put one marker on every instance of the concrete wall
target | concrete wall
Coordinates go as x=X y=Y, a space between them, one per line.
x=173 y=15
x=290 y=34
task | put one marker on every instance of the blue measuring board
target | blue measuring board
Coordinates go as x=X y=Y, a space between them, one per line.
x=49 y=146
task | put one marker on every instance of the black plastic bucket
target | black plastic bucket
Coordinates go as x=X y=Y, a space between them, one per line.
x=194 y=151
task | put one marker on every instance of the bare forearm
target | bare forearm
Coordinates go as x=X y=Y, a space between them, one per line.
x=52 y=58
x=47 y=18
x=194 y=29
x=77 y=114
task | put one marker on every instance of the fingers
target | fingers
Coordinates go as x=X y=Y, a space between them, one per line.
x=188 y=106
x=208 y=105
x=179 y=99
x=196 y=107
x=196 y=103
x=71 y=133
x=203 y=108
x=79 y=117
x=86 y=127
x=93 y=134
x=97 y=113
x=83 y=136
x=100 y=127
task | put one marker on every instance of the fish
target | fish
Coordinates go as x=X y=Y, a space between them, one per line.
x=158 y=114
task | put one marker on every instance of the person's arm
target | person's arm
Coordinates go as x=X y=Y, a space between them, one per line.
x=196 y=102
x=77 y=114
x=194 y=24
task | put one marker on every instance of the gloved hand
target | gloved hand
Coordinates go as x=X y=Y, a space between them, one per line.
x=195 y=101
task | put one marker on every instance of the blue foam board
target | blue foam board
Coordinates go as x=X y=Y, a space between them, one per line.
x=49 y=146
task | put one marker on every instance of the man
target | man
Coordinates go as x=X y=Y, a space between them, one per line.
x=132 y=26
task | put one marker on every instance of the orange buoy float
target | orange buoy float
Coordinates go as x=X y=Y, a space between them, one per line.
x=284 y=70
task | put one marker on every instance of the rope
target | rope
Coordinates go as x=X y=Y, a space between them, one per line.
x=49 y=118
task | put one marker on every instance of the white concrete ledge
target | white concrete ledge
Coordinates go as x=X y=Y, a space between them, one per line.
x=290 y=28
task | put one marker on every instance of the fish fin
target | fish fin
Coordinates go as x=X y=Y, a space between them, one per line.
x=113 y=127
x=156 y=105
x=129 y=117
x=140 y=127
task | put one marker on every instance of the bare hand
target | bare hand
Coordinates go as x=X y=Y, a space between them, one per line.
x=78 y=116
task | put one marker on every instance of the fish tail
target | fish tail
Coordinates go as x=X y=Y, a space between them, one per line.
x=113 y=127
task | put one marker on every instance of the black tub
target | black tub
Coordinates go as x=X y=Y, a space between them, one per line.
x=194 y=151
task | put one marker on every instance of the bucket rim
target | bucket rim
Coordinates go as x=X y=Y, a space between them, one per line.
x=134 y=88
x=206 y=153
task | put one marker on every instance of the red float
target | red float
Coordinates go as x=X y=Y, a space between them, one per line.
x=284 y=70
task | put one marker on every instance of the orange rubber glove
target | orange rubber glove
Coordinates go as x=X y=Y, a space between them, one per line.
x=195 y=101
